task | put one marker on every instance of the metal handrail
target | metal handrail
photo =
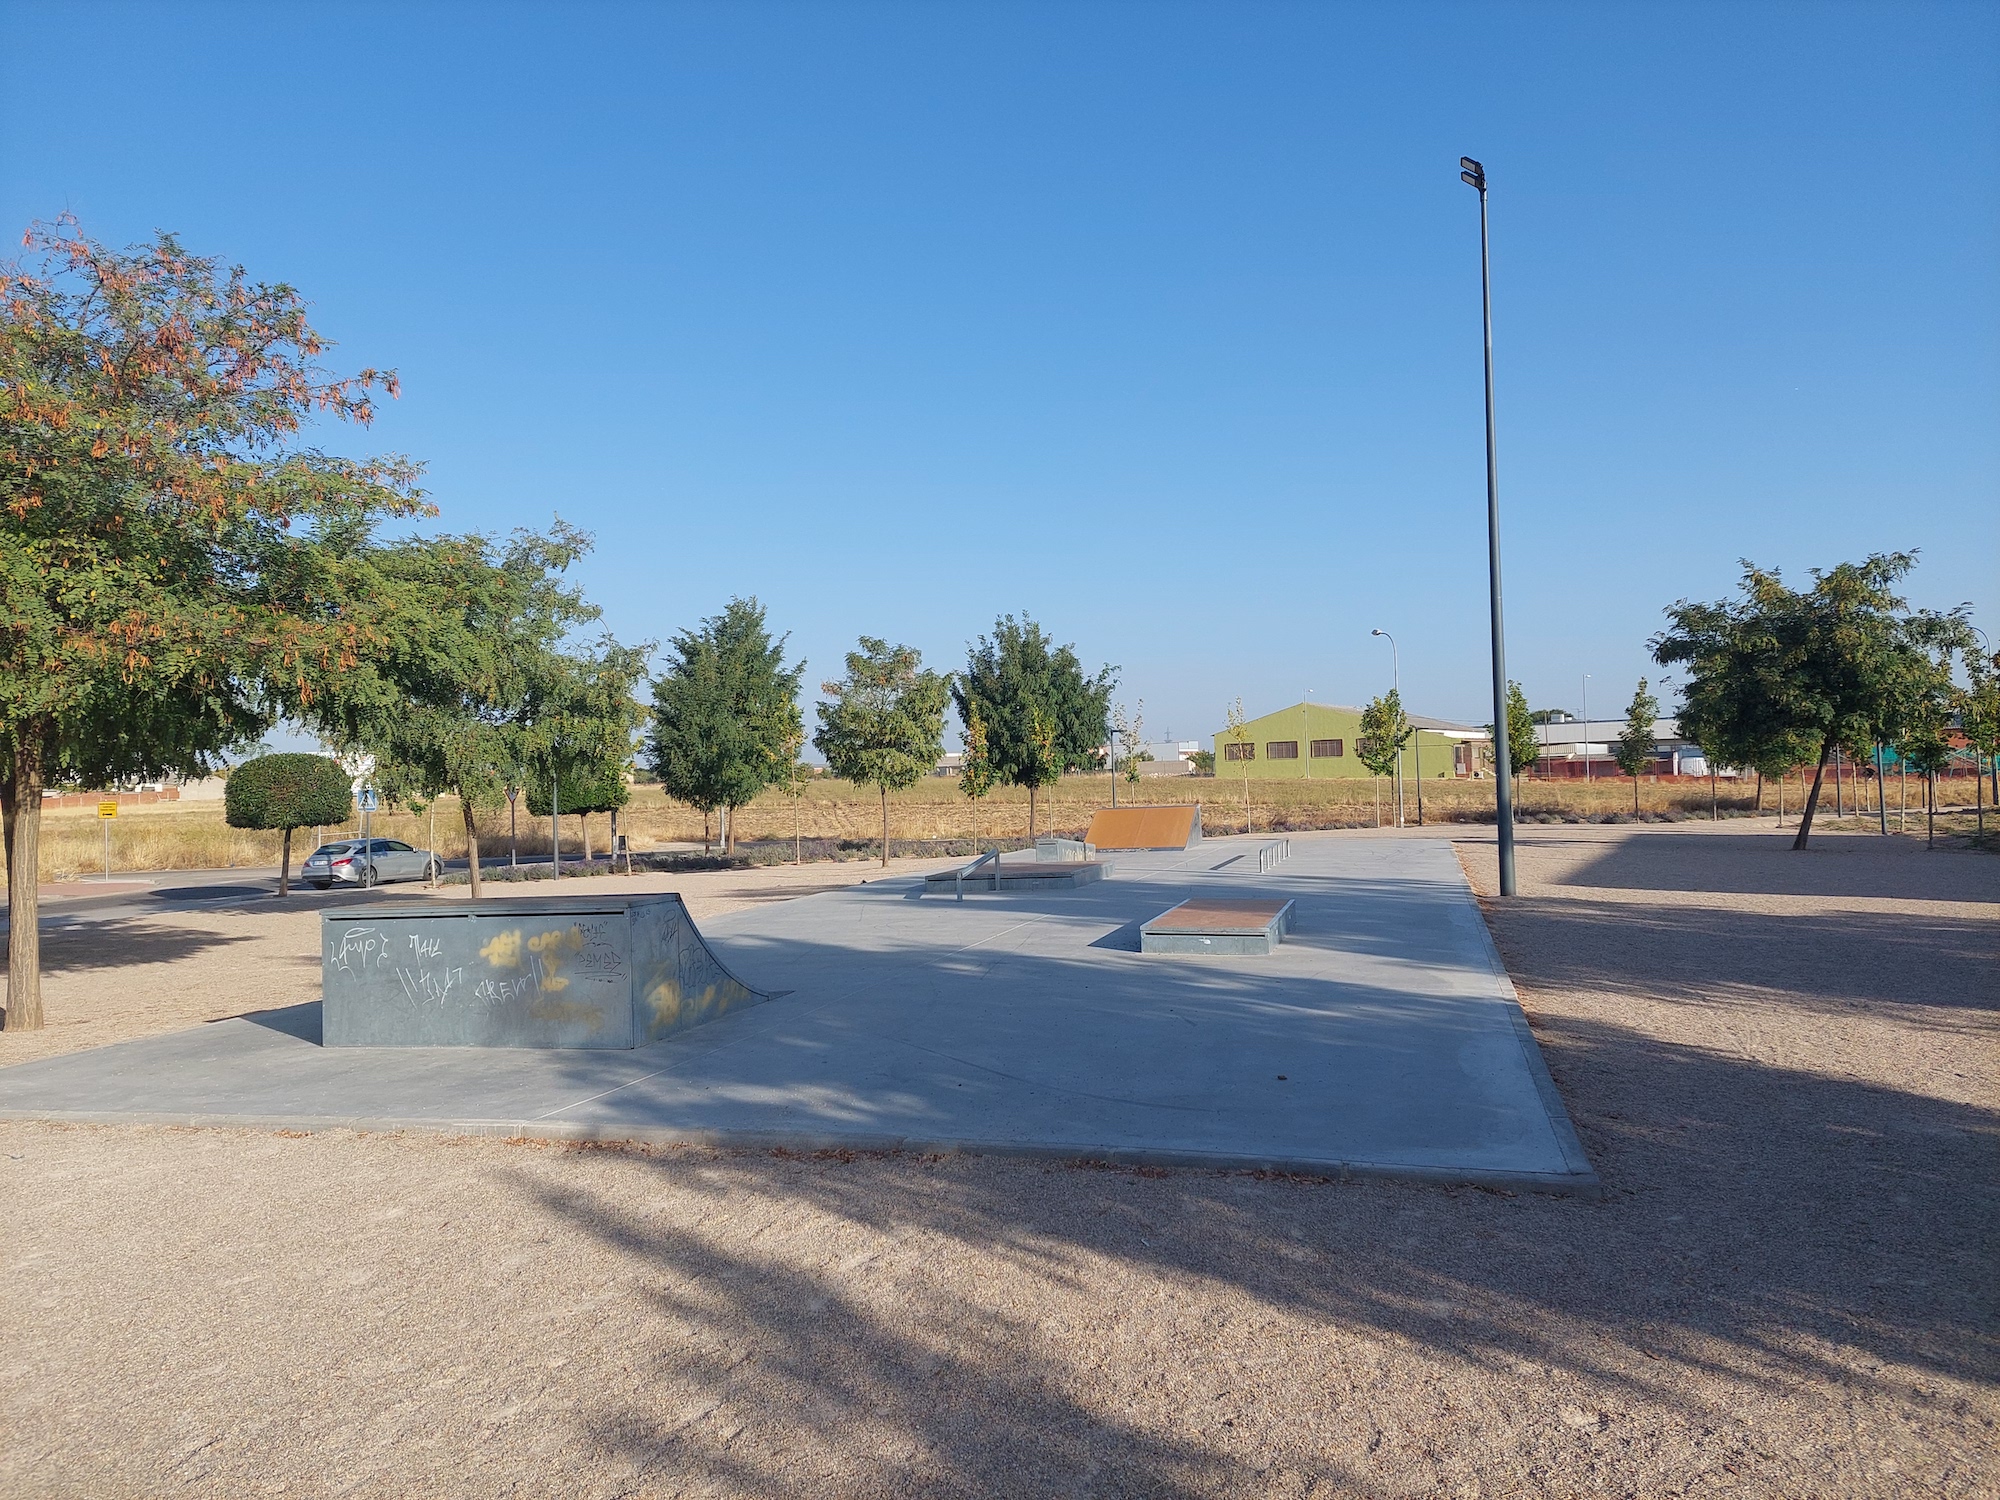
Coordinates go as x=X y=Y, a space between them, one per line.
x=1273 y=853
x=992 y=856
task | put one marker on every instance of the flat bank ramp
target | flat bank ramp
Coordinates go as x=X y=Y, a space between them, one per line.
x=1127 y=828
x=546 y=971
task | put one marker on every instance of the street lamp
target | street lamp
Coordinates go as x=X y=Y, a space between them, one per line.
x=1396 y=666
x=1474 y=174
x=1586 y=729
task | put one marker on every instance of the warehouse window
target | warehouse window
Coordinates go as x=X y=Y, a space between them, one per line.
x=1282 y=750
x=1233 y=751
x=1328 y=749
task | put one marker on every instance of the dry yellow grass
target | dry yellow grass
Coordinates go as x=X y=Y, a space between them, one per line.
x=186 y=836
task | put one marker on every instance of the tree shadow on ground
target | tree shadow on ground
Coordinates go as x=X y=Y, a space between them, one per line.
x=104 y=946
x=1765 y=864
x=1779 y=1230
x=1836 y=961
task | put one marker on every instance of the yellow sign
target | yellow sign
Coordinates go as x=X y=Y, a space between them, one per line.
x=107 y=809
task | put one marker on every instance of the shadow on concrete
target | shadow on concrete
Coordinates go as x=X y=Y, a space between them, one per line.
x=301 y=1021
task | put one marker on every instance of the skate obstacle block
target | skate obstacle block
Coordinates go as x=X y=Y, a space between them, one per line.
x=1212 y=926
x=585 y=972
x=1134 y=828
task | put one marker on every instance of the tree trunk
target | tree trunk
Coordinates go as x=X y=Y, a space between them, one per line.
x=1714 y=811
x=285 y=866
x=1930 y=809
x=729 y=832
x=24 y=857
x=1812 y=797
x=583 y=826
x=1635 y=794
x=1031 y=812
x=885 y=825
x=471 y=841
x=1760 y=791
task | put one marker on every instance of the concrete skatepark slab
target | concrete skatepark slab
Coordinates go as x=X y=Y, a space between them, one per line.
x=1381 y=1038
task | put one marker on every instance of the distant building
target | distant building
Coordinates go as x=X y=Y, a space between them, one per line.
x=1569 y=747
x=1310 y=741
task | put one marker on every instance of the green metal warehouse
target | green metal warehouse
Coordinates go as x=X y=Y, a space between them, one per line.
x=1315 y=740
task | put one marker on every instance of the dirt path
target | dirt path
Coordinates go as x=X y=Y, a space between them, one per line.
x=1785 y=1069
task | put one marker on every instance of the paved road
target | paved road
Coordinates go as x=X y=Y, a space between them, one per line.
x=153 y=892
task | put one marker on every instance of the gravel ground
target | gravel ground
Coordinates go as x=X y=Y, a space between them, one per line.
x=1784 y=1067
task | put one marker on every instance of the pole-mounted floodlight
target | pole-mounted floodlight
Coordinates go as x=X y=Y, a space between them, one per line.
x=1473 y=173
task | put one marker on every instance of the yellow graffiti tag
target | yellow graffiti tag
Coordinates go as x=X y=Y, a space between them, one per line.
x=552 y=948
x=504 y=951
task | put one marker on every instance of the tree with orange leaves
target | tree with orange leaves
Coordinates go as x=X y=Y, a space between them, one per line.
x=177 y=568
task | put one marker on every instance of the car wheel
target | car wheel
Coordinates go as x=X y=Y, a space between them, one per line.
x=321 y=885
x=433 y=872
x=368 y=878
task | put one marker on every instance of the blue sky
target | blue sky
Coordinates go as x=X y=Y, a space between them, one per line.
x=1158 y=322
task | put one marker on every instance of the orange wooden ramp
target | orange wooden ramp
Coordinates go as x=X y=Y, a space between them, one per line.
x=1177 y=827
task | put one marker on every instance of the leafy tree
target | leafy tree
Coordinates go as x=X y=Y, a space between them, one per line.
x=1524 y=746
x=1236 y=732
x=447 y=706
x=174 y=574
x=724 y=711
x=1130 y=738
x=1979 y=721
x=975 y=770
x=1385 y=729
x=1203 y=762
x=286 y=791
x=1777 y=670
x=1552 y=716
x=579 y=726
x=1043 y=716
x=580 y=791
x=882 y=724
x=1635 y=740
x=794 y=784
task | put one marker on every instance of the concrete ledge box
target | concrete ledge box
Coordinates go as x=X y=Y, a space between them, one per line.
x=1213 y=927
x=571 y=972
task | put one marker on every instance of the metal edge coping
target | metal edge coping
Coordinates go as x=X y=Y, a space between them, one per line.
x=500 y=906
x=1584 y=1185
x=1282 y=914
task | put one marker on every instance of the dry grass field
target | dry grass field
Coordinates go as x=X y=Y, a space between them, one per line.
x=173 y=836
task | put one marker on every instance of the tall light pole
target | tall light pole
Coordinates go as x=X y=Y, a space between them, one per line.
x=1396 y=666
x=1473 y=173
x=1586 y=729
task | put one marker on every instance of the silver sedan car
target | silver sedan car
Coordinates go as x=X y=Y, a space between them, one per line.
x=368 y=862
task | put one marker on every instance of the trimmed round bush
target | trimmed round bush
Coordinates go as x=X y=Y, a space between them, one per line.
x=283 y=792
